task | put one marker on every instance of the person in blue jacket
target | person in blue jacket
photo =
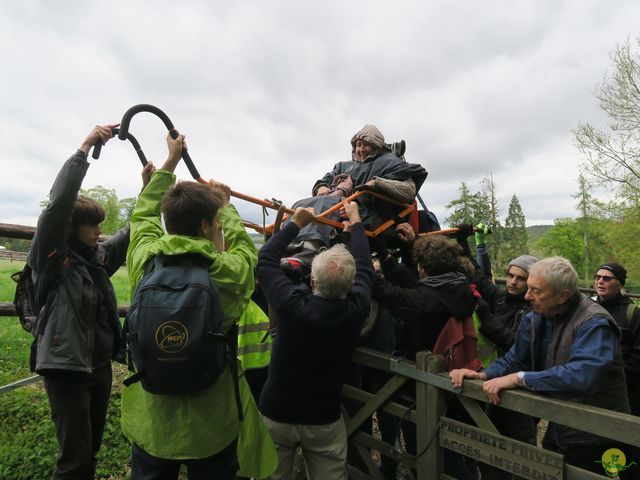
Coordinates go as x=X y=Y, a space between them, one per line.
x=567 y=347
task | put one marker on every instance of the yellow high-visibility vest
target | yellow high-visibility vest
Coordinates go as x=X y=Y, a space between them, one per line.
x=487 y=351
x=254 y=340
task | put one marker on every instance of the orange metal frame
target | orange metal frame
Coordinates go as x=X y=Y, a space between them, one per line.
x=322 y=217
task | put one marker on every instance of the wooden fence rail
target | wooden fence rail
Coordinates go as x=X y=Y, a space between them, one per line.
x=426 y=411
x=435 y=432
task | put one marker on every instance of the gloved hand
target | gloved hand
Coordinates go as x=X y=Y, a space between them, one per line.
x=482 y=230
x=464 y=231
x=379 y=246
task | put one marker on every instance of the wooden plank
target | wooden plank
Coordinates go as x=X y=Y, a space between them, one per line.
x=408 y=370
x=365 y=454
x=7 y=309
x=477 y=414
x=10 y=230
x=575 y=473
x=606 y=423
x=372 y=358
x=20 y=383
x=374 y=403
x=395 y=409
x=355 y=474
x=385 y=449
x=502 y=452
x=430 y=406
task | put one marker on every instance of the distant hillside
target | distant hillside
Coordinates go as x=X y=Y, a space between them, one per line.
x=536 y=231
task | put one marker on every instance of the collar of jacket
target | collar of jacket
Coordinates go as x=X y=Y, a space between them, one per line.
x=449 y=278
x=619 y=299
x=568 y=308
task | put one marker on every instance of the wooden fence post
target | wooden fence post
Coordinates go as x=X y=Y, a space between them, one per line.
x=430 y=406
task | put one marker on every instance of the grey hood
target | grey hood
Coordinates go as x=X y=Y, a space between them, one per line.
x=370 y=134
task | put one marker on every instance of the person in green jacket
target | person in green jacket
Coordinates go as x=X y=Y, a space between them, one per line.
x=199 y=430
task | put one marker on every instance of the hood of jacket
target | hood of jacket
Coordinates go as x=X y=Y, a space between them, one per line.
x=371 y=135
x=453 y=292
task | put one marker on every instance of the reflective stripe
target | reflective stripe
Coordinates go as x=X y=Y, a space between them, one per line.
x=256 y=327
x=487 y=351
x=261 y=347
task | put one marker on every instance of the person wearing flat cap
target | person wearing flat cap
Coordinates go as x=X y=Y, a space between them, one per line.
x=608 y=282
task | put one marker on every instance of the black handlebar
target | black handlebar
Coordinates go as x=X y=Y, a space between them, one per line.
x=97 y=148
x=143 y=107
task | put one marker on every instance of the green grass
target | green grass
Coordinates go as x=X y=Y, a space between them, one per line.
x=27 y=439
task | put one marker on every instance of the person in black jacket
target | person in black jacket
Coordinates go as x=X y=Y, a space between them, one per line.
x=316 y=334
x=609 y=281
x=507 y=305
x=424 y=302
x=78 y=331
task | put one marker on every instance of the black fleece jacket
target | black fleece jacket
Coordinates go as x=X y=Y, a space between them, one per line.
x=315 y=336
x=424 y=309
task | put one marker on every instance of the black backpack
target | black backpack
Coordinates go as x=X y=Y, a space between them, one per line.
x=173 y=329
x=27 y=309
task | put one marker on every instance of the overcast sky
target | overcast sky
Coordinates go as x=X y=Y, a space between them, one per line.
x=269 y=93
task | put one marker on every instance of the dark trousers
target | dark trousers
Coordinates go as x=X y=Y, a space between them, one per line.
x=221 y=466
x=78 y=404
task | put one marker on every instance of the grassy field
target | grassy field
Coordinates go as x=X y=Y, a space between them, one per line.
x=27 y=438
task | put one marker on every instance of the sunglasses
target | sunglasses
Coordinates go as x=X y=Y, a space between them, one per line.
x=604 y=278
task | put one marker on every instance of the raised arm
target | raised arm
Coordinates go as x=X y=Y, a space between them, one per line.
x=146 y=225
x=274 y=282
x=233 y=270
x=54 y=223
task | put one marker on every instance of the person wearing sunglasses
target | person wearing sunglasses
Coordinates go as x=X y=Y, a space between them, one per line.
x=609 y=283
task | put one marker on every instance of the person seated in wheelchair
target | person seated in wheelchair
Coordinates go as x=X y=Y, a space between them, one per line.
x=374 y=166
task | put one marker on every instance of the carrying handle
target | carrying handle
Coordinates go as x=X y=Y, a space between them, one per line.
x=97 y=147
x=143 y=107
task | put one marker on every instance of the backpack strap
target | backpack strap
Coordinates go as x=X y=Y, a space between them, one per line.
x=232 y=339
x=631 y=308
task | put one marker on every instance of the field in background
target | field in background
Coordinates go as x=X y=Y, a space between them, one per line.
x=27 y=438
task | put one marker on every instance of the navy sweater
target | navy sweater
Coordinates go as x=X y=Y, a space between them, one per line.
x=315 y=336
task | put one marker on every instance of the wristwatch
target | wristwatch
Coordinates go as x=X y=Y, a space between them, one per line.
x=520 y=380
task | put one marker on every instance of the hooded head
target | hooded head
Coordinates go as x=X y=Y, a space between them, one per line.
x=370 y=135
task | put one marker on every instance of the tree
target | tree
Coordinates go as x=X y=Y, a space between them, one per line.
x=584 y=201
x=117 y=211
x=109 y=200
x=515 y=231
x=467 y=208
x=566 y=239
x=495 y=241
x=613 y=156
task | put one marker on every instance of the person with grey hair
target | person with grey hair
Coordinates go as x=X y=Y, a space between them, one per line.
x=317 y=332
x=567 y=347
x=332 y=272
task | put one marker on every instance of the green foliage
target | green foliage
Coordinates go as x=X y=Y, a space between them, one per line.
x=117 y=212
x=566 y=239
x=515 y=231
x=505 y=242
x=16 y=244
x=471 y=208
x=612 y=156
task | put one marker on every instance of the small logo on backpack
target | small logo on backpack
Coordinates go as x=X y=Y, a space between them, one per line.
x=171 y=337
